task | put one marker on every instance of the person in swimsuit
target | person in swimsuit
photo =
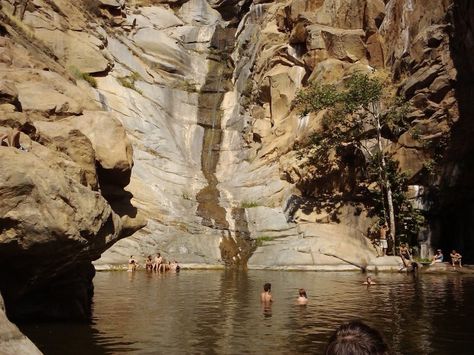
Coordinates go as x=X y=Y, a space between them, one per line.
x=383 y=238
x=174 y=266
x=438 y=258
x=303 y=297
x=266 y=295
x=158 y=261
x=132 y=264
x=455 y=258
x=149 y=263
x=405 y=255
x=369 y=281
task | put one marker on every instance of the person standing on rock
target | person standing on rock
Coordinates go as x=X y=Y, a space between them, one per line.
x=383 y=238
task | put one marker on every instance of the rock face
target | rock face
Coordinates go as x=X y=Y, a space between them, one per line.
x=62 y=186
x=11 y=340
x=204 y=90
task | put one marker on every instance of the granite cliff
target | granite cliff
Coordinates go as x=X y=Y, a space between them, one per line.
x=202 y=92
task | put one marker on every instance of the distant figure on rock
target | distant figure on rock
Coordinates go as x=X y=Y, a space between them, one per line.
x=149 y=263
x=356 y=338
x=266 y=295
x=157 y=262
x=302 y=298
x=164 y=266
x=405 y=255
x=175 y=266
x=132 y=264
x=455 y=258
x=438 y=258
x=369 y=281
x=383 y=238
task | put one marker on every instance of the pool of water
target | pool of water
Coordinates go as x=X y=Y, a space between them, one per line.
x=218 y=312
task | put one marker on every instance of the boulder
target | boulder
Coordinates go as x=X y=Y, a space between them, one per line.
x=12 y=341
x=56 y=226
x=422 y=78
x=113 y=151
x=62 y=137
x=78 y=49
x=341 y=44
x=8 y=93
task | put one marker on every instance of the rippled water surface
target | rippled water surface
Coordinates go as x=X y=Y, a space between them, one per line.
x=218 y=312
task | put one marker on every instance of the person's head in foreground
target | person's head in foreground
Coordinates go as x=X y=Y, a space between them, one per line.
x=267 y=287
x=302 y=293
x=356 y=338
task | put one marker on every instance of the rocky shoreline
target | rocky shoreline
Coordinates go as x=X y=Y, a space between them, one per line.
x=394 y=264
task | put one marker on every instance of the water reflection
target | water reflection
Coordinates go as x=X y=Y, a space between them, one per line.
x=215 y=312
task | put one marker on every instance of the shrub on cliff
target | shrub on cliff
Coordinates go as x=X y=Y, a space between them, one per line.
x=356 y=113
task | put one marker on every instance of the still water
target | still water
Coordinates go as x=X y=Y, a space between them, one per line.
x=218 y=312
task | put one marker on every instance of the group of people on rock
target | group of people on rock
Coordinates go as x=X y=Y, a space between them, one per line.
x=404 y=252
x=158 y=264
x=456 y=258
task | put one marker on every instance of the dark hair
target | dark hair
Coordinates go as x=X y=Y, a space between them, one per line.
x=267 y=287
x=302 y=292
x=356 y=338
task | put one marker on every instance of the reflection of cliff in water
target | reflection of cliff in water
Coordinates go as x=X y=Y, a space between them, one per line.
x=234 y=249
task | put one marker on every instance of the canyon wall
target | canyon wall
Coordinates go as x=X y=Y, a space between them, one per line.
x=202 y=92
x=65 y=162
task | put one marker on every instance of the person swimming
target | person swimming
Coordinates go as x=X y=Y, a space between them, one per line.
x=369 y=281
x=266 y=295
x=303 y=297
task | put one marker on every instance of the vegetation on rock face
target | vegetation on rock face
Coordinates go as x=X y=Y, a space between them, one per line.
x=262 y=239
x=83 y=76
x=359 y=117
x=249 y=204
x=129 y=81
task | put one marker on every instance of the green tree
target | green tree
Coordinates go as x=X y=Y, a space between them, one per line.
x=354 y=117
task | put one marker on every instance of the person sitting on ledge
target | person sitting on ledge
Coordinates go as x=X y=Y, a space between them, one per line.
x=438 y=258
x=164 y=266
x=356 y=338
x=456 y=258
x=149 y=263
x=405 y=255
x=158 y=261
x=175 y=266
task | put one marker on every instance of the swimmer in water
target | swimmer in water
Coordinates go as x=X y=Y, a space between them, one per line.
x=266 y=295
x=132 y=264
x=369 y=281
x=302 y=298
